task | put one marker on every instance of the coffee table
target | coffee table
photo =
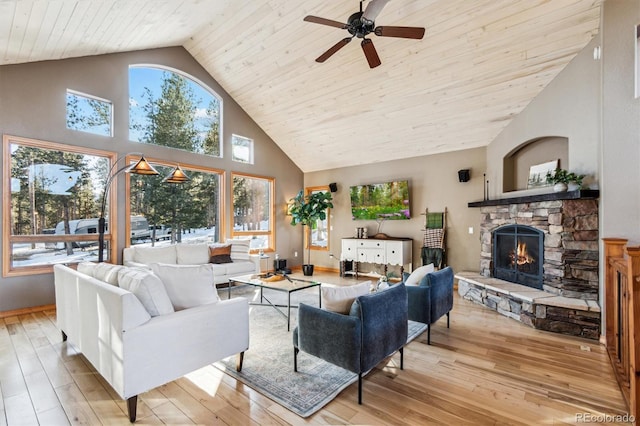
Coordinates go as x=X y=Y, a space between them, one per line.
x=288 y=285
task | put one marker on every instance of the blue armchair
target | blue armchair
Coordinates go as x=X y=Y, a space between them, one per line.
x=432 y=298
x=375 y=328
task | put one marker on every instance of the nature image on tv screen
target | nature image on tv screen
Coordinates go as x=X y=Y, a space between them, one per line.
x=380 y=201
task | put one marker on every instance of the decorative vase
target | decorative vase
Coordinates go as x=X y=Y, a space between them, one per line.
x=560 y=187
x=307 y=270
x=573 y=186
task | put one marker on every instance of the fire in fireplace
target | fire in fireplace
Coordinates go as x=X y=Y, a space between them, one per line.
x=518 y=255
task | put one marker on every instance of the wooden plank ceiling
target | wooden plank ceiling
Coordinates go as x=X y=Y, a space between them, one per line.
x=480 y=63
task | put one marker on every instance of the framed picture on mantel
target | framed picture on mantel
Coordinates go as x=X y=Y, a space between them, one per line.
x=538 y=174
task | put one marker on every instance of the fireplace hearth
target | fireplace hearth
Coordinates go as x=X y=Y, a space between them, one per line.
x=518 y=255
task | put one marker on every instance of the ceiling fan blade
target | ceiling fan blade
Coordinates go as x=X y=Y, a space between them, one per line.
x=402 y=32
x=370 y=53
x=373 y=9
x=339 y=45
x=323 y=21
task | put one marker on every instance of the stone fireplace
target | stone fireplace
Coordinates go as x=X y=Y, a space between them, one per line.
x=539 y=261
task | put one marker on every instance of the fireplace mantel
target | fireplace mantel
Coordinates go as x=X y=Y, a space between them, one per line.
x=579 y=194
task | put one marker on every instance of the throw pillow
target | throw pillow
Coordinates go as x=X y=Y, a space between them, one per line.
x=191 y=254
x=107 y=272
x=340 y=299
x=147 y=255
x=187 y=285
x=417 y=275
x=220 y=254
x=148 y=289
x=240 y=249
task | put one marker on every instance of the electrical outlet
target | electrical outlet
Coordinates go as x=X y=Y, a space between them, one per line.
x=471 y=229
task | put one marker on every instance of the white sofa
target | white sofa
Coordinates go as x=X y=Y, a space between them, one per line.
x=135 y=351
x=196 y=254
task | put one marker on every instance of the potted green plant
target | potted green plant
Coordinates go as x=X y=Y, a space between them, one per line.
x=307 y=210
x=574 y=181
x=559 y=178
x=563 y=180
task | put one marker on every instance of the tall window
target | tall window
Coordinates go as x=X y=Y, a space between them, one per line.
x=166 y=108
x=318 y=234
x=182 y=212
x=253 y=210
x=241 y=149
x=54 y=193
x=89 y=114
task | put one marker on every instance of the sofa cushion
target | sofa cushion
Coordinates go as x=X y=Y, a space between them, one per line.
x=416 y=276
x=148 y=255
x=148 y=289
x=220 y=254
x=240 y=249
x=187 y=285
x=87 y=268
x=339 y=299
x=190 y=254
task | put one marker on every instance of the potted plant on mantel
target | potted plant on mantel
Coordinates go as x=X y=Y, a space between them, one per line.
x=307 y=210
x=563 y=180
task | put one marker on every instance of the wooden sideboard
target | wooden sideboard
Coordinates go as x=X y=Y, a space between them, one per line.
x=622 y=316
x=387 y=251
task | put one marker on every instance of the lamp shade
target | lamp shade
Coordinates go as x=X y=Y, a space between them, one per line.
x=142 y=167
x=177 y=176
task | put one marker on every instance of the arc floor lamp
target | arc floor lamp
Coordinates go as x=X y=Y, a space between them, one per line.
x=141 y=167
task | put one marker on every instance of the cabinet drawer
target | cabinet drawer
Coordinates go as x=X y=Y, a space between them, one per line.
x=349 y=249
x=370 y=244
x=371 y=255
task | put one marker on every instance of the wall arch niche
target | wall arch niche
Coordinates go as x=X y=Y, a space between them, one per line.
x=535 y=151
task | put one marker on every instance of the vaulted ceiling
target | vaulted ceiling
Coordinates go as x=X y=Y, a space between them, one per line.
x=480 y=63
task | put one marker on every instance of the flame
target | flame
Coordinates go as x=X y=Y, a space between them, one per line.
x=521 y=256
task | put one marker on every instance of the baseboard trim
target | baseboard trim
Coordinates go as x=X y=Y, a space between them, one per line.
x=25 y=311
x=316 y=268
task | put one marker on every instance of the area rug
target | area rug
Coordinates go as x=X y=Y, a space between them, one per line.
x=268 y=364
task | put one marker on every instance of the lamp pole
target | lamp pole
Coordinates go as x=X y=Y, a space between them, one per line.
x=142 y=167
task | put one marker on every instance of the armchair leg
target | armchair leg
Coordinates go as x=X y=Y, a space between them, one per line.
x=132 y=406
x=447 y=319
x=64 y=336
x=402 y=358
x=429 y=334
x=239 y=361
x=360 y=388
x=295 y=359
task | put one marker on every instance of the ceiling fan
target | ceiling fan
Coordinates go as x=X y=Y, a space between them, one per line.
x=361 y=24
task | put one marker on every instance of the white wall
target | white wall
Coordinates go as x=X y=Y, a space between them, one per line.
x=569 y=107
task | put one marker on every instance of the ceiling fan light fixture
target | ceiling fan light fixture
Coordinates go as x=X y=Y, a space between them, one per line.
x=360 y=24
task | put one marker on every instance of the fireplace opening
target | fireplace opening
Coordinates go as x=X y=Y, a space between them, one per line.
x=518 y=252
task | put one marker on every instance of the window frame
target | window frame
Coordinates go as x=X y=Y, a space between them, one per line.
x=307 y=236
x=191 y=78
x=95 y=98
x=187 y=168
x=8 y=270
x=271 y=233
x=251 y=151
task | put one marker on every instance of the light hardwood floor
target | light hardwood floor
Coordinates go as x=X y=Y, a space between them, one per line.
x=485 y=369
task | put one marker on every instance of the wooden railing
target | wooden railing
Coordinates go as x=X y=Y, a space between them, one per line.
x=622 y=316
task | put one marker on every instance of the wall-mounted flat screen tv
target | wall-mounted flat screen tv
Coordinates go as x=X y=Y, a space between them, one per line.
x=380 y=201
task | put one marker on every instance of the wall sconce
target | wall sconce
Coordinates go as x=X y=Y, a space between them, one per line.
x=287 y=209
